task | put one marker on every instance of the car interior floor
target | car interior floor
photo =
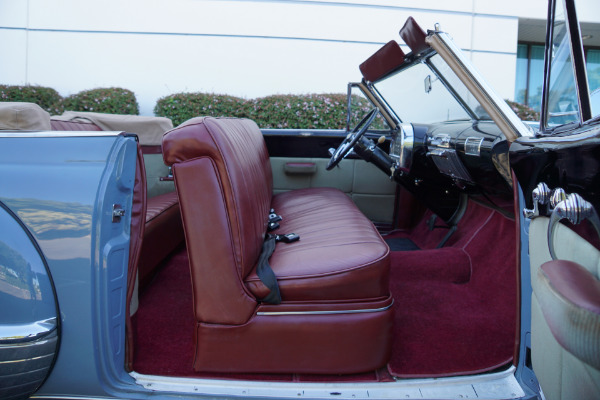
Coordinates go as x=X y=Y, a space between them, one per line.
x=455 y=306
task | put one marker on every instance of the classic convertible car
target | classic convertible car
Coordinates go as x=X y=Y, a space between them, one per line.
x=439 y=248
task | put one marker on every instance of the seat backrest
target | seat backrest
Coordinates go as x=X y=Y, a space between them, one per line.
x=224 y=183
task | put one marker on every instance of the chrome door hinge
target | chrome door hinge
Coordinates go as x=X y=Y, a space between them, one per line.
x=117 y=213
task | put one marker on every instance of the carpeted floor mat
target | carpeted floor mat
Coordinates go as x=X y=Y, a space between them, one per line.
x=456 y=306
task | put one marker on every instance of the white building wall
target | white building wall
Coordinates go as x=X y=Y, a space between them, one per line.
x=246 y=48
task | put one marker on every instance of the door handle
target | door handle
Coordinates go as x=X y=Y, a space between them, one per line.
x=300 y=168
x=576 y=209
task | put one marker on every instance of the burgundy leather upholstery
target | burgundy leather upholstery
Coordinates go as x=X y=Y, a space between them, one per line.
x=382 y=62
x=574 y=283
x=414 y=36
x=73 y=126
x=569 y=296
x=224 y=184
x=163 y=233
x=340 y=255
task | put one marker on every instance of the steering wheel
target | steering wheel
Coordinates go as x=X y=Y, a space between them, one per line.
x=351 y=139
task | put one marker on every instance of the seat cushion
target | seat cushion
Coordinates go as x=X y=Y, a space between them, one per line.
x=159 y=204
x=340 y=254
x=163 y=233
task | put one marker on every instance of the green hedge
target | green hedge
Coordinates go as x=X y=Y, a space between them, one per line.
x=311 y=111
x=180 y=107
x=103 y=100
x=524 y=112
x=47 y=98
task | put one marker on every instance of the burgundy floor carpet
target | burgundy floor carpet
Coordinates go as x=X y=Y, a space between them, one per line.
x=455 y=308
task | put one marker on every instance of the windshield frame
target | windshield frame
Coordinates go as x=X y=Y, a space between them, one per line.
x=425 y=58
x=573 y=40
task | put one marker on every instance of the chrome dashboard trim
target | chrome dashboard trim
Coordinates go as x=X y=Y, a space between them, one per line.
x=473 y=146
x=441 y=140
x=404 y=154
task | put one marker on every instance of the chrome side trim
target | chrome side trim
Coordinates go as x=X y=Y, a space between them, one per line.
x=370 y=310
x=53 y=134
x=14 y=334
x=498 y=385
x=508 y=122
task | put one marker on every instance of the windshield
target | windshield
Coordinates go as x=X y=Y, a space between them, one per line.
x=417 y=94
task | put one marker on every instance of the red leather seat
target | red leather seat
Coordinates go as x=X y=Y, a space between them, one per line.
x=340 y=255
x=335 y=315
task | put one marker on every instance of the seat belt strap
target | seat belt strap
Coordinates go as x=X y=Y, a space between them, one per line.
x=263 y=269
x=266 y=274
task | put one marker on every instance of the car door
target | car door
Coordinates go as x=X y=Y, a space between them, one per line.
x=559 y=175
x=299 y=158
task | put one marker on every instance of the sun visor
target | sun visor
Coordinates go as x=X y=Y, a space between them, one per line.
x=384 y=61
x=414 y=36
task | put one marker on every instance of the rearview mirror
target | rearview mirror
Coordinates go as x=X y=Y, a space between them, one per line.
x=428 y=84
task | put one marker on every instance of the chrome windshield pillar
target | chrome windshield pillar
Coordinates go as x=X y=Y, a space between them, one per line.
x=508 y=122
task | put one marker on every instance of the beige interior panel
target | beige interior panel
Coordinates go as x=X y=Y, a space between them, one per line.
x=340 y=176
x=379 y=208
x=561 y=375
x=371 y=190
x=546 y=354
x=155 y=169
x=369 y=179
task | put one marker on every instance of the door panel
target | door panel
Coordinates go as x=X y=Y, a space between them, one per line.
x=561 y=374
x=370 y=189
x=157 y=175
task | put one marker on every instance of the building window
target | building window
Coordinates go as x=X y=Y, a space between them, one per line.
x=530 y=73
x=592 y=61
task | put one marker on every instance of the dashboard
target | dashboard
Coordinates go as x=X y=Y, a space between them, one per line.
x=441 y=162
